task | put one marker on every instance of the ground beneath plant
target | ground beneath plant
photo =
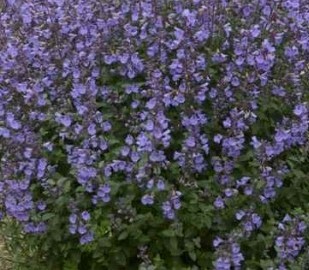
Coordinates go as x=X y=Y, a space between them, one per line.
x=4 y=257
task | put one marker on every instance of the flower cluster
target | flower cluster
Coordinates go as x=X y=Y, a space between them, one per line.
x=79 y=224
x=290 y=240
x=250 y=220
x=228 y=254
x=153 y=103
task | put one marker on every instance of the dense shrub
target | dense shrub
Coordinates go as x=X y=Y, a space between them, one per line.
x=155 y=134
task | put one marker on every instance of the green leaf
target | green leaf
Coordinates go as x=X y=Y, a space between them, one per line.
x=173 y=245
x=70 y=265
x=168 y=233
x=123 y=235
x=48 y=216
x=192 y=255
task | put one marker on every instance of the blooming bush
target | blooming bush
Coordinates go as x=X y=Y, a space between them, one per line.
x=155 y=134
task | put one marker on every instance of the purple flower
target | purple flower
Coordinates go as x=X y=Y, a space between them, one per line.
x=124 y=58
x=222 y=264
x=227 y=123
x=219 y=203
x=129 y=140
x=85 y=215
x=14 y=124
x=151 y=104
x=125 y=150
x=86 y=238
x=190 y=142
x=147 y=199
x=106 y=126
x=202 y=35
x=91 y=129
x=240 y=215
x=65 y=120
x=109 y=59
x=131 y=89
x=176 y=201
x=106 y=188
x=300 y=110
x=266 y=10
x=217 y=242
x=135 y=156
x=255 y=32
x=157 y=156
x=256 y=219
x=218 y=138
x=160 y=185
x=149 y=126
x=73 y=229
x=4 y=132
x=73 y=218
x=81 y=229
x=41 y=205
x=255 y=142
x=150 y=184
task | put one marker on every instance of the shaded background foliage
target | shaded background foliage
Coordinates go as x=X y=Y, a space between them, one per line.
x=155 y=134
